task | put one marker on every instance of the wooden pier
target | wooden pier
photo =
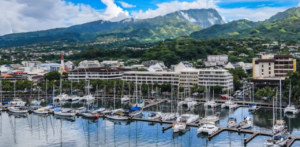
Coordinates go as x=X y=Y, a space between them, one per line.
x=293 y=139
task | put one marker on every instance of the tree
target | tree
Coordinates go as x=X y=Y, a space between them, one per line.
x=53 y=75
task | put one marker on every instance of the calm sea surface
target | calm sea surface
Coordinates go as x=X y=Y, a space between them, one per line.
x=42 y=131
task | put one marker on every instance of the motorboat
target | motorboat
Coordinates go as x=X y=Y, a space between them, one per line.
x=155 y=115
x=135 y=111
x=208 y=128
x=291 y=109
x=61 y=97
x=125 y=98
x=189 y=102
x=277 y=141
x=17 y=110
x=279 y=126
x=66 y=113
x=189 y=118
x=231 y=122
x=40 y=111
x=17 y=102
x=246 y=123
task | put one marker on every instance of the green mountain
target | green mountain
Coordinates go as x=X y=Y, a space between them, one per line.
x=226 y=30
x=283 y=26
x=172 y=25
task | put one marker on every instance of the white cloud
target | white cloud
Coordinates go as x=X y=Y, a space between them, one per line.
x=257 y=14
x=32 y=15
x=126 y=5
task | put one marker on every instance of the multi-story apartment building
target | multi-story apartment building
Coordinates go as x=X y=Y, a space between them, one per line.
x=184 y=77
x=268 y=70
x=103 y=73
x=216 y=60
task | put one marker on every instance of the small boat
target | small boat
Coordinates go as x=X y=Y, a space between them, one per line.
x=189 y=102
x=279 y=126
x=117 y=117
x=36 y=102
x=61 y=97
x=106 y=111
x=246 y=123
x=252 y=107
x=60 y=112
x=80 y=110
x=40 y=111
x=88 y=97
x=231 y=122
x=208 y=128
x=125 y=98
x=73 y=98
x=89 y=115
x=212 y=118
x=155 y=115
x=210 y=103
x=16 y=110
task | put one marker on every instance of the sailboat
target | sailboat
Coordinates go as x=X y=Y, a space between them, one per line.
x=116 y=114
x=73 y=97
x=124 y=98
x=210 y=103
x=136 y=111
x=276 y=140
x=231 y=122
x=88 y=96
x=212 y=118
x=170 y=116
x=17 y=103
x=189 y=102
x=252 y=107
x=280 y=123
x=229 y=103
x=40 y=110
x=102 y=107
x=290 y=108
x=63 y=112
x=61 y=96
x=1 y=96
x=247 y=122
x=155 y=115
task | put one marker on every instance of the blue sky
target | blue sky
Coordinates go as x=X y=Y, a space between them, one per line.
x=32 y=15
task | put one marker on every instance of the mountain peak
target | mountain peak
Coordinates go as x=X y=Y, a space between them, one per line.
x=203 y=17
x=286 y=14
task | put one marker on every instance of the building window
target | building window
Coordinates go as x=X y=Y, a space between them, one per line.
x=269 y=68
x=269 y=72
x=269 y=64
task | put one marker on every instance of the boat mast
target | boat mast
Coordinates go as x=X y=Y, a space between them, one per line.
x=71 y=87
x=114 y=95
x=1 y=100
x=15 y=89
x=46 y=91
x=290 y=93
x=136 y=89
x=280 y=100
x=60 y=85
x=171 y=91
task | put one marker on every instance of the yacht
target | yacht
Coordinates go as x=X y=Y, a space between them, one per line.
x=135 y=111
x=229 y=104
x=17 y=102
x=180 y=125
x=16 y=110
x=212 y=118
x=117 y=114
x=231 y=123
x=290 y=108
x=88 y=97
x=36 y=102
x=210 y=103
x=169 y=117
x=89 y=114
x=279 y=126
x=208 y=128
x=252 y=107
x=73 y=98
x=246 y=123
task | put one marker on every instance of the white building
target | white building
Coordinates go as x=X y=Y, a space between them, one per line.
x=30 y=63
x=216 y=60
x=156 y=68
x=89 y=64
x=103 y=73
x=183 y=76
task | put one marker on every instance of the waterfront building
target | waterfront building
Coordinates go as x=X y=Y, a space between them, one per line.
x=268 y=70
x=103 y=73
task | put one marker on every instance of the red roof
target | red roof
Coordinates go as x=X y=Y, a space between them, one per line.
x=19 y=71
